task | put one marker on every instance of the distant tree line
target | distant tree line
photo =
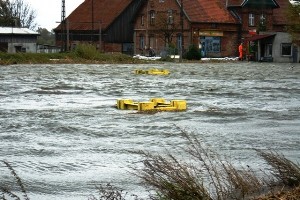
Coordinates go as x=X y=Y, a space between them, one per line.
x=46 y=37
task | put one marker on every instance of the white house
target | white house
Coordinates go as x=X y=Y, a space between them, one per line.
x=14 y=40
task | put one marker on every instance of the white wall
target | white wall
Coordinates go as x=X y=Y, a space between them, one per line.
x=29 y=47
x=280 y=38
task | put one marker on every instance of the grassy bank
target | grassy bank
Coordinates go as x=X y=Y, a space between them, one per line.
x=207 y=176
x=82 y=54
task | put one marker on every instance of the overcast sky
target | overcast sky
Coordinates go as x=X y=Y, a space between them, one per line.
x=48 y=12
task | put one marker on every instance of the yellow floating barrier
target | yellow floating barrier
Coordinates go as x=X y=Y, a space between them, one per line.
x=155 y=104
x=152 y=71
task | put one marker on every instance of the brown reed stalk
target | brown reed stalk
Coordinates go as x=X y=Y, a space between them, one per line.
x=172 y=179
x=19 y=183
x=207 y=176
x=9 y=193
x=283 y=169
x=227 y=180
x=108 y=192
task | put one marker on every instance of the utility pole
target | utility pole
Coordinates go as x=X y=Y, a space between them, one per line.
x=100 y=37
x=181 y=23
x=63 y=25
x=92 y=36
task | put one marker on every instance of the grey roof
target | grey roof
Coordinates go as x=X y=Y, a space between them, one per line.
x=15 y=30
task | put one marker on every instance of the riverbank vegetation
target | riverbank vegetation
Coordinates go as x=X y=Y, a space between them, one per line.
x=88 y=54
x=81 y=54
x=206 y=176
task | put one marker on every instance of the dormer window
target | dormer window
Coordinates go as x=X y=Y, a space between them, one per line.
x=251 y=19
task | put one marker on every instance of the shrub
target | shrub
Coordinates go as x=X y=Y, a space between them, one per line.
x=86 y=51
x=193 y=53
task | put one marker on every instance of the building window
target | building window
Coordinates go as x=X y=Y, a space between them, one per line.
x=179 y=41
x=142 y=20
x=286 y=49
x=152 y=41
x=152 y=17
x=142 y=41
x=251 y=19
x=263 y=19
x=211 y=44
x=262 y=23
x=170 y=17
x=269 y=48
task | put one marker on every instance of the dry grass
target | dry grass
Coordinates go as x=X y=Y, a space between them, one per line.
x=209 y=176
x=286 y=172
x=108 y=192
x=285 y=194
x=172 y=179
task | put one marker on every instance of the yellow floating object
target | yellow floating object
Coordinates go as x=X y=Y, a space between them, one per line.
x=152 y=71
x=156 y=104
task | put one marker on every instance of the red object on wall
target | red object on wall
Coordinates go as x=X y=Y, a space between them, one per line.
x=252 y=32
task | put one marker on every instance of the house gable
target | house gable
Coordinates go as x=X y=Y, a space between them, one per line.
x=122 y=28
x=90 y=13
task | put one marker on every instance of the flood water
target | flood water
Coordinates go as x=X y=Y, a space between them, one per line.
x=62 y=134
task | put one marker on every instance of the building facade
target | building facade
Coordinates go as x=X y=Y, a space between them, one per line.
x=14 y=40
x=263 y=30
x=172 y=26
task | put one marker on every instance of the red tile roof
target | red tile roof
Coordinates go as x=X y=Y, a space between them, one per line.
x=234 y=2
x=213 y=11
x=208 y=11
x=105 y=11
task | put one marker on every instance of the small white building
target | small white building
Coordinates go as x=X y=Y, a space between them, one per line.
x=14 y=40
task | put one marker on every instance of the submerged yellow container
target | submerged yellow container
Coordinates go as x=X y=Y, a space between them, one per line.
x=158 y=104
x=152 y=71
x=144 y=106
x=126 y=104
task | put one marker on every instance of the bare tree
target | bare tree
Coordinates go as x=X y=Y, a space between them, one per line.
x=166 y=26
x=17 y=13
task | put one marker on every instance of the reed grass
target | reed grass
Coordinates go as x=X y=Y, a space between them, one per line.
x=208 y=176
x=6 y=192
x=109 y=192
x=285 y=171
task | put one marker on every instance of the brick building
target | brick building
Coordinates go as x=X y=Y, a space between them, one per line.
x=263 y=29
x=206 y=24
x=216 y=27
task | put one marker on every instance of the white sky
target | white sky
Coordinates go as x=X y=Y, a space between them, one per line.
x=48 y=12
